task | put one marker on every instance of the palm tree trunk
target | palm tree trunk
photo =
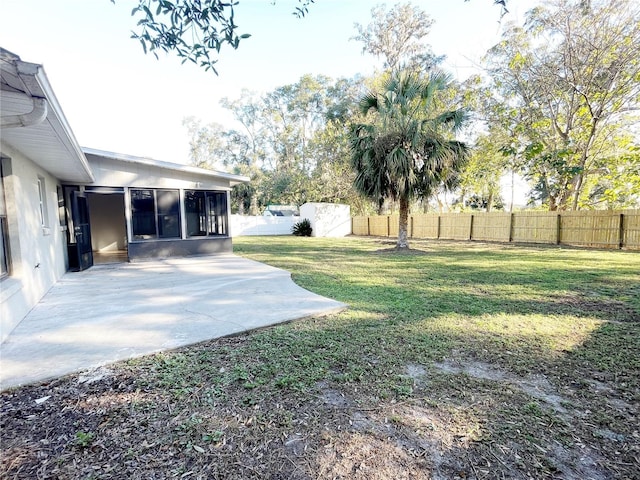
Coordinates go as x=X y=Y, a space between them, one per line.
x=403 y=241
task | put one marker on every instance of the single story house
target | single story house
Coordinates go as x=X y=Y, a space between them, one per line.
x=61 y=205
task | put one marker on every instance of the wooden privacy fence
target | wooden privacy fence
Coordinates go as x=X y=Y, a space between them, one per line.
x=595 y=229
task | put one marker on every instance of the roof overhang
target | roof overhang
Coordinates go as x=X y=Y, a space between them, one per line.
x=169 y=166
x=33 y=122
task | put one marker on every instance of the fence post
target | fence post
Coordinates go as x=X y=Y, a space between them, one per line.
x=438 y=233
x=411 y=225
x=621 y=234
x=388 y=225
x=368 y=226
x=471 y=227
x=511 y=228
x=558 y=229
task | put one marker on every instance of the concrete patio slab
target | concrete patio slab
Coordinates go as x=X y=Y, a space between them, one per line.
x=120 y=311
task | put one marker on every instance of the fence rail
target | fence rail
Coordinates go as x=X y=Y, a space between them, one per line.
x=592 y=229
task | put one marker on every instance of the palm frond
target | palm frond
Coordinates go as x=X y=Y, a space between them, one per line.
x=368 y=102
x=404 y=151
x=453 y=119
x=437 y=81
x=440 y=78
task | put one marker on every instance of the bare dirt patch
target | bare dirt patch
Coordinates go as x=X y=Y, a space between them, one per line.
x=401 y=251
x=582 y=449
x=537 y=386
x=614 y=310
x=464 y=420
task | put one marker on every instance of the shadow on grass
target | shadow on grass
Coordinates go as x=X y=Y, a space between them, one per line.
x=569 y=317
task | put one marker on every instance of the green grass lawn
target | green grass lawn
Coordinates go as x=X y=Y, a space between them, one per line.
x=524 y=309
x=453 y=360
x=567 y=316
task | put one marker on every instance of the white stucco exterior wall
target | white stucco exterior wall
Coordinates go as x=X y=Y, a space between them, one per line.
x=37 y=253
x=327 y=219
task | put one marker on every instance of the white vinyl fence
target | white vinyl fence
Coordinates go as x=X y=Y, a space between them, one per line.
x=246 y=225
x=327 y=220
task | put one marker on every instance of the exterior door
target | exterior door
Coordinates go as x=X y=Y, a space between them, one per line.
x=82 y=230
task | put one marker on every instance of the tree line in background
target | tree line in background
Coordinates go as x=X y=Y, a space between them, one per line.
x=557 y=105
x=292 y=142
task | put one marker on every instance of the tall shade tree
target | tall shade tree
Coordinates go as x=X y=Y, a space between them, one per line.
x=292 y=142
x=572 y=78
x=480 y=180
x=407 y=150
x=206 y=143
x=398 y=37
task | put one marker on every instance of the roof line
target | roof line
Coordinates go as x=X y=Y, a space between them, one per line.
x=233 y=178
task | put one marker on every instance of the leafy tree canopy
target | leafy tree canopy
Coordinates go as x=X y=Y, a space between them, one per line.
x=291 y=141
x=195 y=30
x=566 y=87
x=397 y=36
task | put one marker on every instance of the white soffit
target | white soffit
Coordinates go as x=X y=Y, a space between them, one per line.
x=50 y=144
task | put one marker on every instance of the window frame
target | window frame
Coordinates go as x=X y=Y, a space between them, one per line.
x=175 y=211
x=213 y=208
x=42 y=197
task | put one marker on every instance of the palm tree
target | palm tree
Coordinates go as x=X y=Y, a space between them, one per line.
x=406 y=150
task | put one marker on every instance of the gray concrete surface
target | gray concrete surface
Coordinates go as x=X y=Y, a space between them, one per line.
x=120 y=311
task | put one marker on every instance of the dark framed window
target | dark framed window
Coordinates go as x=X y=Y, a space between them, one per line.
x=155 y=213
x=206 y=213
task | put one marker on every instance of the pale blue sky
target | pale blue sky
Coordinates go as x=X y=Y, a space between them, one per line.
x=118 y=99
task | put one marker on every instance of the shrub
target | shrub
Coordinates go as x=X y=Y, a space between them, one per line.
x=302 y=228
